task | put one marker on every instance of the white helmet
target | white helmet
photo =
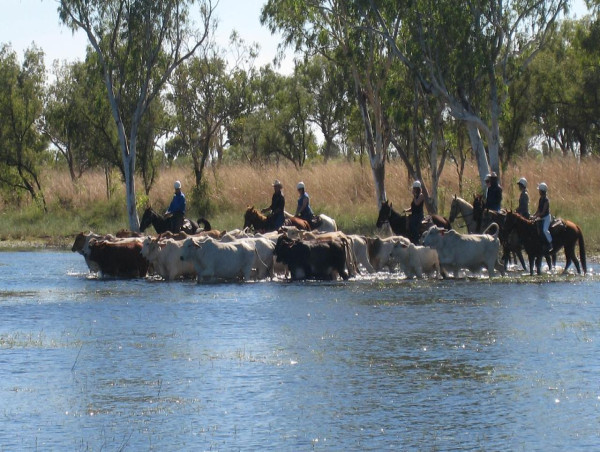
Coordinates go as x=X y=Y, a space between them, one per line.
x=300 y=185
x=416 y=184
x=177 y=184
x=543 y=187
x=523 y=182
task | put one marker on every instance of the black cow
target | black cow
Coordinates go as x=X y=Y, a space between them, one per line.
x=312 y=258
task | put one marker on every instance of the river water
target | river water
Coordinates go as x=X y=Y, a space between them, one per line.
x=371 y=364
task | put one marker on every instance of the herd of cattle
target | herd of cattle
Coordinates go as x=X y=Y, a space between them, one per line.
x=239 y=255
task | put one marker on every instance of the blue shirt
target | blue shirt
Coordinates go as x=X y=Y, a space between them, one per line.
x=307 y=213
x=178 y=203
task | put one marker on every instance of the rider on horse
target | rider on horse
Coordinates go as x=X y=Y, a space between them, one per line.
x=277 y=207
x=176 y=210
x=416 y=211
x=493 y=194
x=303 y=210
x=543 y=214
x=523 y=208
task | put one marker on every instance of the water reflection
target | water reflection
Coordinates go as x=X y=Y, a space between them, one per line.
x=371 y=364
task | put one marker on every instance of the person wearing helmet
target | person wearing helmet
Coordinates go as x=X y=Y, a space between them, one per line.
x=523 y=208
x=493 y=194
x=176 y=210
x=303 y=210
x=416 y=212
x=543 y=215
x=277 y=207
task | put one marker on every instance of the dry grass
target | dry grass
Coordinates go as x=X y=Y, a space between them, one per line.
x=340 y=189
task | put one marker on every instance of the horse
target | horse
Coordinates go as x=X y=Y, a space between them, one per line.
x=473 y=217
x=322 y=223
x=400 y=223
x=162 y=224
x=460 y=207
x=528 y=235
x=260 y=222
x=565 y=234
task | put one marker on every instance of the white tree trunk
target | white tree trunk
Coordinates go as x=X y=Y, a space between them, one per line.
x=479 y=150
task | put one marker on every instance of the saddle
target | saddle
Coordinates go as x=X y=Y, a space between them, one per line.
x=558 y=225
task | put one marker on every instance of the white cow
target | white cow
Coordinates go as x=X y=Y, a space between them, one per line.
x=264 y=256
x=416 y=260
x=361 y=251
x=165 y=257
x=215 y=260
x=381 y=249
x=464 y=251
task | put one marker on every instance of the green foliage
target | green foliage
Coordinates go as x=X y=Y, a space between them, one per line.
x=22 y=146
x=199 y=202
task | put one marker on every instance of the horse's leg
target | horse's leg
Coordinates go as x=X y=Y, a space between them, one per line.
x=571 y=257
x=551 y=261
x=519 y=254
x=531 y=264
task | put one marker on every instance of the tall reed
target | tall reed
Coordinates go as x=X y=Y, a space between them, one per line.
x=343 y=190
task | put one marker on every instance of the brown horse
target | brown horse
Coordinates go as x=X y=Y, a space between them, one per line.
x=564 y=233
x=253 y=218
x=400 y=222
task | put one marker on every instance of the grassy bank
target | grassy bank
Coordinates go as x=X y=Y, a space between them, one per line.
x=342 y=190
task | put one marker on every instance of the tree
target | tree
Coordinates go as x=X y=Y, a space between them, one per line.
x=334 y=29
x=139 y=44
x=467 y=54
x=22 y=146
x=206 y=95
x=330 y=88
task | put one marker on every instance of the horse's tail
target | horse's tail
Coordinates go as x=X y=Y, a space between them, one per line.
x=581 y=250
x=490 y=227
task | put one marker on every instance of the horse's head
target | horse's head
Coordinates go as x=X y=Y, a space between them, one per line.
x=253 y=218
x=384 y=213
x=478 y=206
x=146 y=218
x=454 y=209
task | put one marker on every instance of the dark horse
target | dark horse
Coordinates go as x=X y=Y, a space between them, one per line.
x=510 y=240
x=162 y=224
x=564 y=233
x=255 y=219
x=400 y=222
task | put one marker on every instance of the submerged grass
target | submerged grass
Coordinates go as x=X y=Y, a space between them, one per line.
x=340 y=189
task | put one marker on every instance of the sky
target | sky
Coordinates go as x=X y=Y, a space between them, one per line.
x=27 y=21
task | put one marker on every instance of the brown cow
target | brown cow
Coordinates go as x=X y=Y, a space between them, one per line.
x=121 y=259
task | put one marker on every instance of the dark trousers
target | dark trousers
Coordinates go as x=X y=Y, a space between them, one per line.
x=176 y=222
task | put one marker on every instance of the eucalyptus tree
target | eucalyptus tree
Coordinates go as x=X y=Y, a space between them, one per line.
x=139 y=44
x=206 y=94
x=330 y=88
x=22 y=145
x=565 y=109
x=336 y=30
x=468 y=53
x=276 y=124
x=68 y=122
